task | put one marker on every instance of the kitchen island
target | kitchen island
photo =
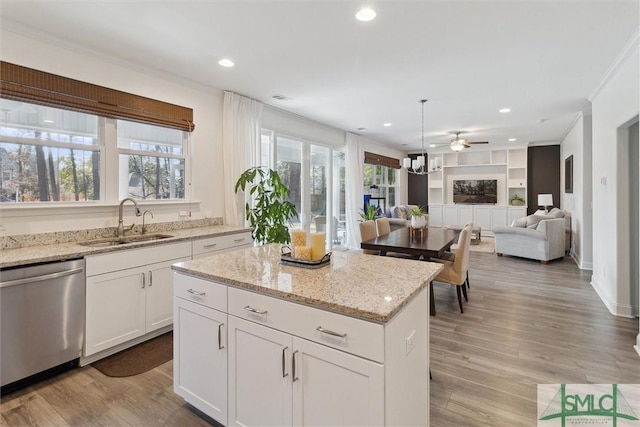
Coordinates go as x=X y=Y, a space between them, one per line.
x=258 y=342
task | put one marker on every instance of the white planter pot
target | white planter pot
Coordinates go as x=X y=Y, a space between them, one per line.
x=418 y=221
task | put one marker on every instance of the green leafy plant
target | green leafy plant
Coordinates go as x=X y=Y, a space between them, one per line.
x=417 y=211
x=517 y=200
x=271 y=212
x=369 y=213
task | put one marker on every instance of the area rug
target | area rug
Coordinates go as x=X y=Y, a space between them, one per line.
x=487 y=244
x=138 y=359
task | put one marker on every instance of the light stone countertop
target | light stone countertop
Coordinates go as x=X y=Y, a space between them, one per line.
x=48 y=249
x=367 y=287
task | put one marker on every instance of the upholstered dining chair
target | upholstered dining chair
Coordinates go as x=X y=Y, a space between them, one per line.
x=455 y=272
x=383 y=226
x=368 y=232
x=450 y=256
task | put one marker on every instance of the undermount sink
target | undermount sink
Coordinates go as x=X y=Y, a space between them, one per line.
x=116 y=241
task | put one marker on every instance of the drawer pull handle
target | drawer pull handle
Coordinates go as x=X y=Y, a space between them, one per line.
x=253 y=310
x=284 y=374
x=200 y=294
x=144 y=281
x=212 y=245
x=239 y=240
x=150 y=278
x=330 y=332
x=220 y=346
x=293 y=366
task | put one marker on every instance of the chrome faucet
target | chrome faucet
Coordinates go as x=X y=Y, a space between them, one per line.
x=121 y=229
x=144 y=227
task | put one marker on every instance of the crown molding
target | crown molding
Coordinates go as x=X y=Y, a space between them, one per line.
x=629 y=48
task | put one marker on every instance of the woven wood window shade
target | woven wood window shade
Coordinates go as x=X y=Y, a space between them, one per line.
x=24 y=84
x=377 y=159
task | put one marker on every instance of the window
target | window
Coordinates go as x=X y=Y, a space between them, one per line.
x=385 y=178
x=57 y=143
x=48 y=154
x=152 y=161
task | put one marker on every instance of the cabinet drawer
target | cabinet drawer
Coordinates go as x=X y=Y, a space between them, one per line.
x=200 y=291
x=361 y=338
x=218 y=243
x=129 y=258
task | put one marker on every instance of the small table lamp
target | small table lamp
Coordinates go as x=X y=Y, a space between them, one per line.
x=545 y=200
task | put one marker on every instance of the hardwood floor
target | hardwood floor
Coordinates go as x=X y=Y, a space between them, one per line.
x=525 y=323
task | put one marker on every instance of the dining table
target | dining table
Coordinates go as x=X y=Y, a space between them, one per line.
x=425 y=243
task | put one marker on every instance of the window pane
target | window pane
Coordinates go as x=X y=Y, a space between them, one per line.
x=33 y=173
x=154 y=178
x=42 y=124
x=289 y=167
x=144 y=137
x=339 y=196
x=318 y=180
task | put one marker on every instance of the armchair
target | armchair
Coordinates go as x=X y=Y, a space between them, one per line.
x=543 y=242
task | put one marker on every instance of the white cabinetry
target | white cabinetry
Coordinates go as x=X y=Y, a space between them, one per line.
x=200 y=349
x=290 y=364
x=207 y=246
x=508 y=167
x=515 y=213
x=129 y=294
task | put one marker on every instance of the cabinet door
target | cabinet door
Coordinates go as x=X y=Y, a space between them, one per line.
x=159 y=298
x=435 y=215
x=450 y=216
x=498 y=216
x=200 y=358
x=333 y=388
x=465 y=214
x=259 y=375
x=482 y=217
x=115 y=309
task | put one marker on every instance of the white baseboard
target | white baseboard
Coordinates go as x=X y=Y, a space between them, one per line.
x=581 y=264
x=609 y=304
x=637 y=347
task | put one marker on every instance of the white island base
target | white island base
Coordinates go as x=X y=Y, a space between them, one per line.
x=245 y=368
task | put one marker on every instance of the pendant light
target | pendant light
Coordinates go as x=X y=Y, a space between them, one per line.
x=418 y=166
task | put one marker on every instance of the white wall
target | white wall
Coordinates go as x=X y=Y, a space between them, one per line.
x=614 y=105
x=578 y=143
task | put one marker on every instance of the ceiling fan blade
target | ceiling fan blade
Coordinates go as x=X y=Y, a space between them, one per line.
x=477 y=142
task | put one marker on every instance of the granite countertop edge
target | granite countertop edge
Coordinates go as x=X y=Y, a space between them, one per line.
x=311 y=302
x=73 y=250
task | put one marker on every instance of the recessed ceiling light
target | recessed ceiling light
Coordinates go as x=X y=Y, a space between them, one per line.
x=512 y=140
x=365 y=14
x=505 y=110
x=386 y=125
x=225 y=62
x=432 y=145
x=48 y=121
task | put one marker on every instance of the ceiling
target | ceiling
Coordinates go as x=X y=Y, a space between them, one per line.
x=542 y=59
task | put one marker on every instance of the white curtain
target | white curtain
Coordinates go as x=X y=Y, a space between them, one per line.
x=240 y=148
x=354 y=188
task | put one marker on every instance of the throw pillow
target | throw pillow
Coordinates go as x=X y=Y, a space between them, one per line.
x=533 y=220
x=556 y=213
x=398 y=212
x=520 y=222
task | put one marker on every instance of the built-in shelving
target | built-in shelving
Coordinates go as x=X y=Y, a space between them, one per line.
x=508 y=166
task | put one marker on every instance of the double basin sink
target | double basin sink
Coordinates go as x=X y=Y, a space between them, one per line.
x=116 y=241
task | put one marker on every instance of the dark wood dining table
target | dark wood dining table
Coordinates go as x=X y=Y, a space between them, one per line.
x=432 y=244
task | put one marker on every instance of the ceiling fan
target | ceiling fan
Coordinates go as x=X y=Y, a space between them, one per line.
x=458 y=144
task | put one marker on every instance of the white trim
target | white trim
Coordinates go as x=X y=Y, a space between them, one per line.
x=625 y=53
x=75 y=208
x=609 y=304
x=637 y=347
x=573 y=123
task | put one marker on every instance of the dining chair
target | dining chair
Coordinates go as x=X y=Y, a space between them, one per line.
x=383 y=226
x=450 y=256
x=455 y=272
x=368 y=232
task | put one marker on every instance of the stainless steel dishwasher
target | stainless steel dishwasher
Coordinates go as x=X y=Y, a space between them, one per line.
x=42 y=320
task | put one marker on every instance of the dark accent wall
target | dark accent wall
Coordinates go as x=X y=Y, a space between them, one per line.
x=418 y=193
x=543 y=174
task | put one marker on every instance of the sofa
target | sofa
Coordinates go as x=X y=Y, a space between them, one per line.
x=540 y=236
x=400 y=216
